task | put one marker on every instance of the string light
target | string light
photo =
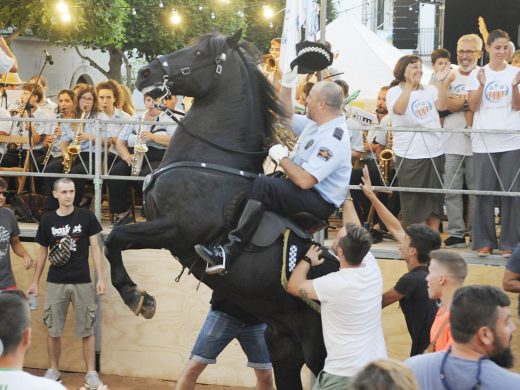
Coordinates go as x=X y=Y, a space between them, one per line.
x=175 y=18
x=201 y=7
x=268 y=12
x=65 y=17
x=213 y=16
x=241 y=14
x=134 y=11
x=161 y=5
x=62 y=7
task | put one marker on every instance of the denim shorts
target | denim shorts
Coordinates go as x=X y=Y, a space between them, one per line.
x=220 y=329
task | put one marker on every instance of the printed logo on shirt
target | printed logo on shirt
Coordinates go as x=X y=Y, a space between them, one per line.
x=5 y=237
x=421 y=108
x=325 y=154
x=495 y=91
x=309 y=144
x=458 y=89
x=64 y=231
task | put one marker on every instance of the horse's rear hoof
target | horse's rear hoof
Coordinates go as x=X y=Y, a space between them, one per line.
x=148 y=307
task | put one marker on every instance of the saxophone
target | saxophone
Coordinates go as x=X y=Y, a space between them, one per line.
x=74 y=148
x=386 y=156
x=59 y=115
x=140 y=148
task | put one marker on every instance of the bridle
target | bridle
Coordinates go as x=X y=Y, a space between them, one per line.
x=169 y=78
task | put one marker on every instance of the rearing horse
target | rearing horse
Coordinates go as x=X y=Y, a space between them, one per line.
x=198 y=188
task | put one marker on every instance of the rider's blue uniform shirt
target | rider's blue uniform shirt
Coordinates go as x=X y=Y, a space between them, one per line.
x=324 y=151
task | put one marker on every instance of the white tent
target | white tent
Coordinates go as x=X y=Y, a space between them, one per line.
x=366 y=60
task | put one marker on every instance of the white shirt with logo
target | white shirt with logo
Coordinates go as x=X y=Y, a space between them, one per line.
x=420 y=112
x=456 y=143
x=495 y=112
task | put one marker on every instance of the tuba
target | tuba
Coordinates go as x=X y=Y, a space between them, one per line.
x=75 y=147
x=140 y=148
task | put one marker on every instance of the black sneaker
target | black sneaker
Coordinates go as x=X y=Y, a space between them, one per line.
x=455 y=242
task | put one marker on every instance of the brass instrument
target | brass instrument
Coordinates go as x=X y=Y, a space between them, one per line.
x=59 y=115
x=74 y=148
x=140 y=149
x=386 y=156
x=269 y=63
x=283 y=135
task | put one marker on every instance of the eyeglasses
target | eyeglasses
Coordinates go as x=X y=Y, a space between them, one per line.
x=467 y=52
x=4 y=193
x=87 y=99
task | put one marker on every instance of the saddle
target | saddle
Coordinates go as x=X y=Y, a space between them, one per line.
x=273 y=225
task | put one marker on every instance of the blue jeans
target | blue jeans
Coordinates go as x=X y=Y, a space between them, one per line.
x=220 y=329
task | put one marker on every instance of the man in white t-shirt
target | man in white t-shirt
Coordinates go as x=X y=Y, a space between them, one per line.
x=350 y=306
x=7 y=59
x=458 y=167
x=15 y=339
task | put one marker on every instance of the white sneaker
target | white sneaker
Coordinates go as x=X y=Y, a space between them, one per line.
x=53 y=375
x=92 y=380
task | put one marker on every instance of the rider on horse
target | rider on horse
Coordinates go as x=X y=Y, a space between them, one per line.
x=318 y=172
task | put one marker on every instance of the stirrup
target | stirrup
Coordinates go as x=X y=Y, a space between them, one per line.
x=217 y=268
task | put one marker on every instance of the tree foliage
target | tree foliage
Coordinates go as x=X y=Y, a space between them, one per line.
x=126 y=28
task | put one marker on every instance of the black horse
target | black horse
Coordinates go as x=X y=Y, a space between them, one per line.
x=197 y=191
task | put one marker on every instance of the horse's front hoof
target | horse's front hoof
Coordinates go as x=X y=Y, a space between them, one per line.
x=134 y=299
x=148 y=306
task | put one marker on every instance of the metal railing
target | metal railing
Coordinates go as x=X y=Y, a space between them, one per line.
x=98 y=169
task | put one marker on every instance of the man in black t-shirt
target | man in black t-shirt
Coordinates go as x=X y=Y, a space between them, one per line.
x=415 y=244
x=225 y=322
x=70 y=282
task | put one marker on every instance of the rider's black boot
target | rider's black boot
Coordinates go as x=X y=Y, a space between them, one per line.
x=218 y=256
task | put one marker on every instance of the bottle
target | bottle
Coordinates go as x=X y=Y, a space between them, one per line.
x=33 y=301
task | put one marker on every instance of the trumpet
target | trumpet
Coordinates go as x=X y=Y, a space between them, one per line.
x=59 y=115
x=74 y=148
x=269 y=63
x=140 y=149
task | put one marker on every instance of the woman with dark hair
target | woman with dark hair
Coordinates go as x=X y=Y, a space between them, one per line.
x=494 y=97
x=53 y=132
x=419 y=155
x=77 y=136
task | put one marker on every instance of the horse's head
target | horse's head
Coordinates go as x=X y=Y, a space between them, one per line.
x=190 y=71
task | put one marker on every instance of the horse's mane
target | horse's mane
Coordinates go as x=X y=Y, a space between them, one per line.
x=249 y=54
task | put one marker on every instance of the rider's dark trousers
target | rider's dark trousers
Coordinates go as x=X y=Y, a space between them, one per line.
x=285 y=197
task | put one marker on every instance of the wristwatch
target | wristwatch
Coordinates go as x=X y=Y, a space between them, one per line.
x=307 y=259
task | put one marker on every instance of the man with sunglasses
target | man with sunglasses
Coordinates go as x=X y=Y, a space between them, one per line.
x=15 y=339
x=9 y=237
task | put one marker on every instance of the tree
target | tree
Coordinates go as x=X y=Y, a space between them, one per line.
x=123 y=28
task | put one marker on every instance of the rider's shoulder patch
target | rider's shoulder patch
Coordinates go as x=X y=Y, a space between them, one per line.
x=325 y=154
x=338 y=133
